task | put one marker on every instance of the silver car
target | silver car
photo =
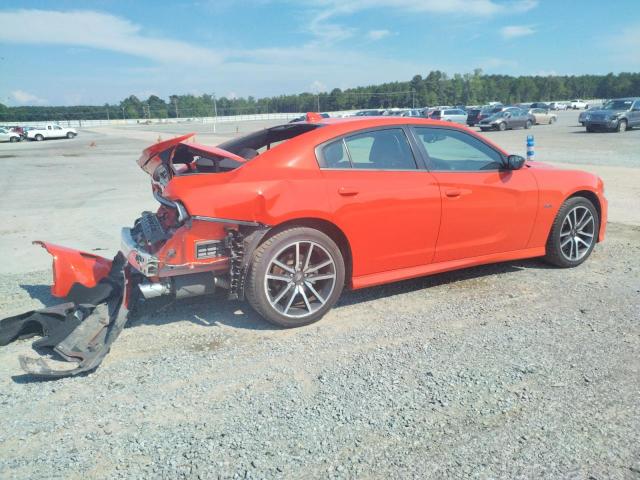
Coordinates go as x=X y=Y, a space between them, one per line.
x=450 y=115
x=9 y=136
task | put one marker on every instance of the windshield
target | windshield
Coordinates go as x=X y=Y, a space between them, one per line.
x=617 y=105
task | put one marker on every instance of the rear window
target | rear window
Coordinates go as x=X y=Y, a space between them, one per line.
x=386 y=149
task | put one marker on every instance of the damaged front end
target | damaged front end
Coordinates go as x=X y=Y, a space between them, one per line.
x=169 y=252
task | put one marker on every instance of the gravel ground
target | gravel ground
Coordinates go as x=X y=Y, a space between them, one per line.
x=515 y=370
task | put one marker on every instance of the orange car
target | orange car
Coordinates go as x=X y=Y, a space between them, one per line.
x=288 y=216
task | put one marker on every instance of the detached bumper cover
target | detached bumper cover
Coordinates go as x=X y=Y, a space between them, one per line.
x=80 y=331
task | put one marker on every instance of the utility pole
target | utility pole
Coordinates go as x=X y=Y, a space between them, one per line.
x=215 y=111
x=413 y=99
x=123 y=118
x=318 y=102
x=107 y=114
x=175 y=103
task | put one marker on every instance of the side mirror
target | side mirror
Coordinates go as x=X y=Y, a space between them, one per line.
x=515 y=162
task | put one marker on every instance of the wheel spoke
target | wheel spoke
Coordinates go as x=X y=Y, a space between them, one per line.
x=282 y=293
x=564 y=234
x=571 y=249
x=584 y=215
x=297 y=255
x=586 y=222
x=279 y=278
x=586 y=234
x=579 y=240
x=316 y=278
x=564 y=243
x=304 y=297
x=315 y=292
x=286 y=268
x=306 y=262
x=293 y=295
x=314 y=268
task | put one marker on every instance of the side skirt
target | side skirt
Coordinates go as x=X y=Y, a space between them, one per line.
x=374 y=279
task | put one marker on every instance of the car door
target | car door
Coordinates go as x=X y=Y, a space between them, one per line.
x=383 y=199
x=485 y=208
x=634 y=114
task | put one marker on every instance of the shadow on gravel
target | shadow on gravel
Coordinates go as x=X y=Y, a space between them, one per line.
x=215 y=310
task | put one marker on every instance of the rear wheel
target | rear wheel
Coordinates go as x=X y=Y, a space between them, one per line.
x=552 y=120
x=70 y=135
x=14 y=139
x=573 y=234
x=295 y=277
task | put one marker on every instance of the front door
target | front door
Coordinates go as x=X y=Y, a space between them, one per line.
x=387 y=206
x=485 y=208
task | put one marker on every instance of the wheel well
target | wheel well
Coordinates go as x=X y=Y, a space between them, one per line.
x=592 y=197
x=329 y=229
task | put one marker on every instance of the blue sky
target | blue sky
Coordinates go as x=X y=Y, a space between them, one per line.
x=90 y=52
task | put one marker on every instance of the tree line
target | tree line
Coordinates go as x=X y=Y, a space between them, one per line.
x=437 y=88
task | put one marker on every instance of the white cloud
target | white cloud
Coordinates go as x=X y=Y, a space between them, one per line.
x=317 y=86
x=22 y=97
x=378 y=34
x=86 y=28
x=515 y=31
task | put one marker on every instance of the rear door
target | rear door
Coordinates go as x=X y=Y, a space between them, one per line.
x=485 y=209
x=634 y=114
x=384 y=200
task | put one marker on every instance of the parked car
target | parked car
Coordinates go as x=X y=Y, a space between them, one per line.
x=302 y=118
x=488 y=110
x=539 y=105
x=583 y=115
x=51 y=131
x=542 y=116
x=507 y=119
x=558 y=106
x=9 y=136
x=414 y=112
x=578 y=104
x=450 y=115
x=369 y=113
x=472 y=116
x=619 y=115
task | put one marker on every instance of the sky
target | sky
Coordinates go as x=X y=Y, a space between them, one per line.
x=90 y=52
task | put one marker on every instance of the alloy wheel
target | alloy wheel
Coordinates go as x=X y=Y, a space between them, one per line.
x=300 y=279
x=577 y=233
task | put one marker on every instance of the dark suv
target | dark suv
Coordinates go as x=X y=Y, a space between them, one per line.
x=616 y=115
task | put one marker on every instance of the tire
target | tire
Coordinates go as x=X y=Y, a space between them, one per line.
x=14 y=139
x=552 y=120
x=563 y=250
x=484 y=129
x=590 y=129
x=502 y=126
x=622 y=126
x=39 y=138
x=527 y=125
x=70 y=135
x=295 y=303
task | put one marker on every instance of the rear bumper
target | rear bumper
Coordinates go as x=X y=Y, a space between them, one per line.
x=144 y=262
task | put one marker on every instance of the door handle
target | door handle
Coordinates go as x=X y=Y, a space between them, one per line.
x=348 y=191
x=453 y=193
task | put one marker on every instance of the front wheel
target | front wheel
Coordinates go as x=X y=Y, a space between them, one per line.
x=527 y=125
x=39 y=138
x=573 y=234
x=14 y=139
x=70 y=135
x=502 y=126
x=622 y=126
x=295 y=277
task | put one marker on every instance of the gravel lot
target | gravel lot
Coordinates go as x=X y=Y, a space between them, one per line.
x=515 y=370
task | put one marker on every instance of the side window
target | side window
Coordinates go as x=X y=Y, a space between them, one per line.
x=380 y=150
x=334 y=155
x=56 y=127
x=48 y=127
x=450 y=150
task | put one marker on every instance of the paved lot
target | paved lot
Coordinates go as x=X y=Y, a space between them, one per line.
x=514 y=370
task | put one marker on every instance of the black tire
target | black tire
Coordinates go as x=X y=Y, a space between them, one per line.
x=527 y=125
x=590 y=129
x=70 y=135
x=14 y=139
x=502 y=126
x=552 y=120
x=484 y=129
x=555 y=255
x=39 y=138
x=622 y=126
x=256 y=283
